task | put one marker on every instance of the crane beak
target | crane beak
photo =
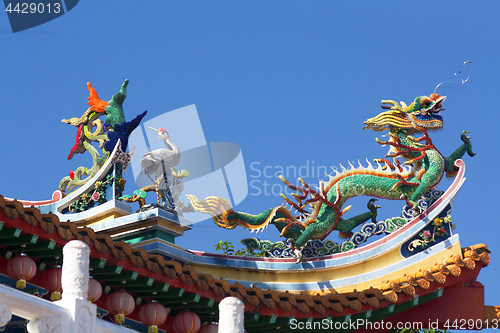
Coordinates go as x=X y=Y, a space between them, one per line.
x=153 y=129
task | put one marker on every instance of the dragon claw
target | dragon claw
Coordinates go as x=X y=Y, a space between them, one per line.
x=298 y=255
x=466 y=139
x=410 y=203
x=373 y=208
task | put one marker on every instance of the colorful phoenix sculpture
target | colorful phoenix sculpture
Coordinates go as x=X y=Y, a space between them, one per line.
x=421 y=169
x=106 y=133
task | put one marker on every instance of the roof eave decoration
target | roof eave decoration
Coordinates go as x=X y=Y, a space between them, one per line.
x=138 y=268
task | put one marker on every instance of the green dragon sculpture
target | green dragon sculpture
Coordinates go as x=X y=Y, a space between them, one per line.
x=422 y=168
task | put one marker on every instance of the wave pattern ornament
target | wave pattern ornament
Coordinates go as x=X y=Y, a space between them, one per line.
x=318 y=248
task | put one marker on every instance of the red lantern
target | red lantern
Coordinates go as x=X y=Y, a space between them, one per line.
x=95 y=290
x=209 y=328
x=187 y=322
x=120 y=304
x=153 y=314
x=52 y=282
x=21 y=268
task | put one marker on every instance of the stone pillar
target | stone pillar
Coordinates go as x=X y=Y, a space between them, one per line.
x=75 y=284
x=231 y=315
x=75 y=270
x=5 y=313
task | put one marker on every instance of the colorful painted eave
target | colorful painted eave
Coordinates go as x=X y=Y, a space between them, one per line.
x=151 y=276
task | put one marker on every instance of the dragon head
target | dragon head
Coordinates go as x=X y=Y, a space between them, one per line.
x=422 y=113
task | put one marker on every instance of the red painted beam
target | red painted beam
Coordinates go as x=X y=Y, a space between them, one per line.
x=460 y=307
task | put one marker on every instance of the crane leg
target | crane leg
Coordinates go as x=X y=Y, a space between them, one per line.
x=151 y=179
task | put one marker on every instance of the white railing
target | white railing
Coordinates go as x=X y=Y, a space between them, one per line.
x=72 y=314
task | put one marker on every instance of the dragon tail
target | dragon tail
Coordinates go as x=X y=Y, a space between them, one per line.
x=217 y=207
x=225 y=217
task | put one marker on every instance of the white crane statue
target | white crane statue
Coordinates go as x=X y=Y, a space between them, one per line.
x=151 y=163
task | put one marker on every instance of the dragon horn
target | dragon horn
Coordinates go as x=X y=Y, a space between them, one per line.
x=395 y=105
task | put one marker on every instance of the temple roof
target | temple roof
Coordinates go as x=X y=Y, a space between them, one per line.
x=151 y=276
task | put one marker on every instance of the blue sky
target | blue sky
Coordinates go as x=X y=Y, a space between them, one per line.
x=289 y=82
